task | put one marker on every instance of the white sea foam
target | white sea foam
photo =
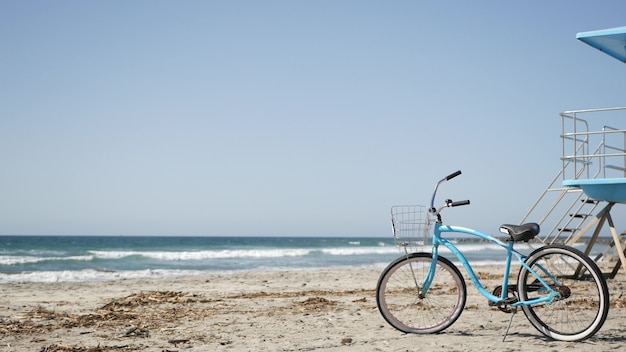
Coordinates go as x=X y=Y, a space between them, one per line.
x=201 y=255
x=359 y=250
x=89 y=275
x=270 y=253
x=114 y=254
x=243 y=253
x=16 y=260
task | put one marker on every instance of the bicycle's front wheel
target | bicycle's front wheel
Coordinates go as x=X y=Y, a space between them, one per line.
x=400 y=301
x=583 y=302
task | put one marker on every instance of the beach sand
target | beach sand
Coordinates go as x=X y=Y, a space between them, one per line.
x=317 y=310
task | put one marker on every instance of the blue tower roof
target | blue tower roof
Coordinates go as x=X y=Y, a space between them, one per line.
x=610 y=41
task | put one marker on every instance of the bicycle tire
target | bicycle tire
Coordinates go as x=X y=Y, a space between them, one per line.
x=398 y=298
x=584 y=303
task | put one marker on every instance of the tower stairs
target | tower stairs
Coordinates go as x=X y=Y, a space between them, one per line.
x=578 y=202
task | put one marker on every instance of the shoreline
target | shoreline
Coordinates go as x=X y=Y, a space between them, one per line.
x=304 y=310
x=107 y=276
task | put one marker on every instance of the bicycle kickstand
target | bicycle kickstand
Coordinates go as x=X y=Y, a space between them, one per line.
x=513 y=311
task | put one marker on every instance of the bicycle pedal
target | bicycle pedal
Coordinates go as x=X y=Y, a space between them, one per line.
x=510 y=300
x=505 y=304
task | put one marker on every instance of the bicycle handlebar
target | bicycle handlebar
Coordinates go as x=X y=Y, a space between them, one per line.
x=449 y=202
x=458 y=203
x=447 y=178
x=453 y=175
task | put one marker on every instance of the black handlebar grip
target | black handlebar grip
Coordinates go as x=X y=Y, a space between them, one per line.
x=453 y=175
x=460 y=202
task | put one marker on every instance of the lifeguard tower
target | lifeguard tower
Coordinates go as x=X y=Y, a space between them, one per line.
x=577 y=204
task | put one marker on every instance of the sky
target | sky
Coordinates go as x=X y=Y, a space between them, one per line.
x=286 y=118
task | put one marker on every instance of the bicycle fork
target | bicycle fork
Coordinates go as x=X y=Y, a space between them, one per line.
x=423 y=289
x=421 y=292
x=430 y=276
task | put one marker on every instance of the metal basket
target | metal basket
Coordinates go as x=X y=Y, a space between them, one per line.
x=410 y=225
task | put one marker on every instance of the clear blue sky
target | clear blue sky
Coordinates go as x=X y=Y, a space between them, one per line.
x=286 y=117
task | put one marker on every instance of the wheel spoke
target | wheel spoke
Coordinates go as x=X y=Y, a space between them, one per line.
x=581 y=305
x=399 y=295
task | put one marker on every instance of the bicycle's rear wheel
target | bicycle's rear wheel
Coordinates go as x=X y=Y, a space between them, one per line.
x=584 y=305
x=397 y=294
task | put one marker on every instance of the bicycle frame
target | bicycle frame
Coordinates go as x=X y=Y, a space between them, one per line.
x=439 y=228
x=426 y=293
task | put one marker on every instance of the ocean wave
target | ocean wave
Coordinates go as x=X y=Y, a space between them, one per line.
x=177 y=256
x=242 y=253
x=201 y=255
x=271 y=253
x=90 y=275
x=17 y=260
x=360 y=250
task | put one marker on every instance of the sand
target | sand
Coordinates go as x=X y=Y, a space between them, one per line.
x=318 y=310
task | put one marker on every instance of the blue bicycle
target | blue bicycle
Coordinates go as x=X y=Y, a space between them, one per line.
x=561 y=291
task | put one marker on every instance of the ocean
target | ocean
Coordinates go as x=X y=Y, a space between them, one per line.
x=105 y=258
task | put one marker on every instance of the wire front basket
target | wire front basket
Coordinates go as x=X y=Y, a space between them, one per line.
x=410 y=225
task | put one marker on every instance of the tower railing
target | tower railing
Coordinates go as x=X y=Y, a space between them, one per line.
x=591 y=150
x=606 y=160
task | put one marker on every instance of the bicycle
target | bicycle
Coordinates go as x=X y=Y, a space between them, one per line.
x=561 y=291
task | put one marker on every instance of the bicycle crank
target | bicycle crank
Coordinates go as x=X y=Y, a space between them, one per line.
x=504 y=305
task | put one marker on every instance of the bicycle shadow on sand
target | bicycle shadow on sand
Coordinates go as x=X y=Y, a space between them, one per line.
x=609 y=339
x=603 y=339
x=599 y=342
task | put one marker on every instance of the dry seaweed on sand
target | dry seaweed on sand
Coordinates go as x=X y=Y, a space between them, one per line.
x=82 y=348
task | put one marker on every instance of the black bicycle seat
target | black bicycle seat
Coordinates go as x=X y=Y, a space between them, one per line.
x=518 y=233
